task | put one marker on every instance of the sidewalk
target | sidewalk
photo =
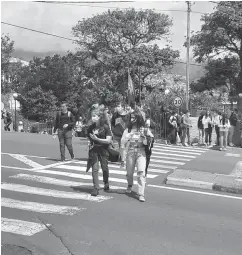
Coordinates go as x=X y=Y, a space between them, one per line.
x=231 y=183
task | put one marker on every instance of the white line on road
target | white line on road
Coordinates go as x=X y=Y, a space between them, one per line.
x=181 y=148
x=58 y=182
x=157 y=154
x=167 y=162
x=52 y=193
x=21 y=227
x=155 y=150
x=194 y=191
x=233 y=155
x=30 y=156
x=83 y=169
x=39 y=207
x=153 y=157
x=25 y=160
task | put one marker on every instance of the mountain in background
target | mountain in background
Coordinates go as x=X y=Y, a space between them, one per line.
x=179 y=68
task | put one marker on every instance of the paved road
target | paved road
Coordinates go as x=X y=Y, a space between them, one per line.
x=46 y=206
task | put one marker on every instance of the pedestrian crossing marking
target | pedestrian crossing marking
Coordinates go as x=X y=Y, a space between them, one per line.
x=58 y=182
x=21 y=227
x=25 y=160
x=163 y=160
x=83 y=169
x=177 y=151
x=168 y=162
x=39 y=207
x=171 y=158
x=52 y=193
x=181 y=147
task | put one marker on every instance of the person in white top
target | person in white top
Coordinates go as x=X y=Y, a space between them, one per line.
x=207 y=124
x=133 y=141
x=224 y=129
x=216 y=123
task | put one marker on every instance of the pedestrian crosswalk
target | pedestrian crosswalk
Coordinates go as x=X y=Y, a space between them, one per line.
x=32 y=188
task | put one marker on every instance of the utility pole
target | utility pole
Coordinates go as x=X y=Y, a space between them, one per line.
x=188 y=54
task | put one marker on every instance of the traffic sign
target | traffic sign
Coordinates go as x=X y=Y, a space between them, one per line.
x=178 y=102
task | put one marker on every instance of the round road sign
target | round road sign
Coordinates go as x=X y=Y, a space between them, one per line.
x=178 y=101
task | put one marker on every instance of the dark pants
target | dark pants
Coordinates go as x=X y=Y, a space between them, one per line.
x=217 y=133
x=148 y=153
x=7 y=124
x=102 y=157
x=172 y=135
x=65 y=139
x=208 y=135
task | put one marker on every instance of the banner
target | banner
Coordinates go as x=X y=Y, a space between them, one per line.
x=131 y=92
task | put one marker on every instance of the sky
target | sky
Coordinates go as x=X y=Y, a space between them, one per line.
x=60 y=18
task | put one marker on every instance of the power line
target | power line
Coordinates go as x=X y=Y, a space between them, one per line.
x=112 y=7
x=69 y=39
x=41 y=32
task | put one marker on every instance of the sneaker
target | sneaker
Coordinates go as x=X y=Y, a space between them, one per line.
x=220 y=149
x=231 y=145
x=72 y=157
x=106 y=187
x=95 y=192
x=129 y=189
x=224 y=149
x=141 y=198
x=63 y=159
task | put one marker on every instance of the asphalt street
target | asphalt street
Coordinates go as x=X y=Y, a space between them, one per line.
x=47 y=208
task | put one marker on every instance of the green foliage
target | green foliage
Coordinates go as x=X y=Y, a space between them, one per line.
x=219 y=73
x=221 y=32
x=38 y=104
x=7 y=47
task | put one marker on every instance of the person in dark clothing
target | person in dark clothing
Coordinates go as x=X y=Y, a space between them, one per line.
x=201 y=128
x=118 y=125
x=100 y=137
x=149 y=128
x=64 y=123
x=233 y=122
x=7 y=121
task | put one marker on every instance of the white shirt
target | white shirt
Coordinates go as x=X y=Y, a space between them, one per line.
x=206 y=121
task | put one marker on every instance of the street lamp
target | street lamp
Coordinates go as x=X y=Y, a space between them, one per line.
x=15 y=96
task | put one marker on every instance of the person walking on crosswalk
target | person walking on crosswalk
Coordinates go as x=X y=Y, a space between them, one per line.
x=134 y=141
x=64 y=124
x=100 y=137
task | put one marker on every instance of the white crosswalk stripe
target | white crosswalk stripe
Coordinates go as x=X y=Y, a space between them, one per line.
x=72 y=177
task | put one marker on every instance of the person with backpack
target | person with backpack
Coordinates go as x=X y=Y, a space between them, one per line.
x=172 y=136
x=201 y=128
x=134 y=141
x=64 y=123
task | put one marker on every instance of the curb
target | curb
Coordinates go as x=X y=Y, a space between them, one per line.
x=206 y=181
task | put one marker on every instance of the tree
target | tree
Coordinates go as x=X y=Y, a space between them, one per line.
x=120 y=39
x=38 y=104
x=219 y=74
x=7 y=48
x=221 y=33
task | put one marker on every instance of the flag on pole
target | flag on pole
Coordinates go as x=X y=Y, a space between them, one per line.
x=131 y=95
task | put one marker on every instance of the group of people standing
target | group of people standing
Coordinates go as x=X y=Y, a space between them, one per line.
x=179 y=128
x=127 y=132
x=7 y=119
x=223 y=125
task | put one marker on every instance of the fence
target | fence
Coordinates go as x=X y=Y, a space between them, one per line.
x=43 y=128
